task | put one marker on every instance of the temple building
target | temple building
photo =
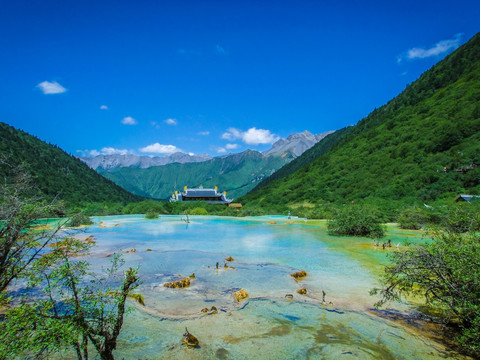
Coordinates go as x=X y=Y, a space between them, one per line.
x=211 y=196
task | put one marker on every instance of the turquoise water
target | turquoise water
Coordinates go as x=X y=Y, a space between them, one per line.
x=266 y=326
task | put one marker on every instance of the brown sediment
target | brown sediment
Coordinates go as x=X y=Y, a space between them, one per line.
x=138 y=298
x=272 y=222
x=280 y=330
x=100 y=224
x=299 y=274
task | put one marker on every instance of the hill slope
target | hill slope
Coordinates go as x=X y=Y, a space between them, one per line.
x=55 y=172
x=398 y=152
x=236 y=174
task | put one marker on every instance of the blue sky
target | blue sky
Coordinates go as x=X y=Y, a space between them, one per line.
x=153 y=77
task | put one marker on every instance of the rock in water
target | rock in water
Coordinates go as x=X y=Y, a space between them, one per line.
x=229 y=259
x=240 y=295
x=189 y=339
x=302 y=291
x=299 y=274
x=185 y=282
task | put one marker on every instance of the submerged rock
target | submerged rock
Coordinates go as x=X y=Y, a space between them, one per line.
x=299 y=274
x=302 y=291
x=192 y=276
x=240 y=295
x=149 y=249
x=213 y=310
x=229 y=259
x=205 y=310
x=189 y=339
x=179 y=284
x=289 y=297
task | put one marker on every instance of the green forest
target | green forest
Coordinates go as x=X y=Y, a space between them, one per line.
x=54 y=172
x=410 y=151
x=233 y=174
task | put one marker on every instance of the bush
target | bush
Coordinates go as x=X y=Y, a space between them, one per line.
x=79 y=220
x=198 y=211
x=413 y=218
x=354 y=220
x=446 y=274
x=151 y=214
x=461 y=217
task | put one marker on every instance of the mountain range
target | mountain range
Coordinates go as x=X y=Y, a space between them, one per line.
x=296 y=144
x=235 y=173
x=114 y=161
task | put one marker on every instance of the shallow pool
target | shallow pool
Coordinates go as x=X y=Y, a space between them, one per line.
x=266 y=250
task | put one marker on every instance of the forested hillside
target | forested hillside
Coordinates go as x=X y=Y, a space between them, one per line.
x=398 y=153
x=236 y=174
x=307 y=157
x=54 y=172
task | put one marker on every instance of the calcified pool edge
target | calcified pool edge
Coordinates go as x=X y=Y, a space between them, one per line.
x=265 y=326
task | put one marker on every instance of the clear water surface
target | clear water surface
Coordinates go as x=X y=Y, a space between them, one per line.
x=265 y=326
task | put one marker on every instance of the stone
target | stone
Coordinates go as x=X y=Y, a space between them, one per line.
x=192 y=276
x=205 y=310
x=289 y=297
x=299 y=274
x=302 y=291
x=213 y=310
x=229 y=259
x=149 y=249
x=189 y=339
x=179 y=284
x=240 y=295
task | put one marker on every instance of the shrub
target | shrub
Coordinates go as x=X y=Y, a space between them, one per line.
x=354 y=220
x=412 y=218
x=198 y=211
x=462 y=217
x=151 y=214
x=79 y=220
x=446 y=274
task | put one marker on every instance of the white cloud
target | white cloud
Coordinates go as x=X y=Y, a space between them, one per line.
x=113 y=151
x=104 y=151
x=204 y=133
x=439 y=48
x=53 y=87
x=252 y=136
x=155 y=124
x=220 y=50
x=232 y=134
x=103 y=107
x=220 y=150
x=191 y=154
x=128 y=120
x=170 y=121
x=160 y=149
x=232 y=146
